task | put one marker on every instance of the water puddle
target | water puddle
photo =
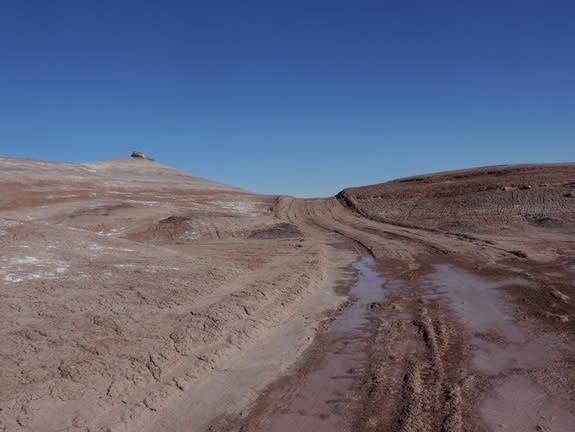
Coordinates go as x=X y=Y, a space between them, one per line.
x=478 y=303
x=504 y=350
x=319 y=397
x=339 y=245
x=518 y=403
x=367 y=289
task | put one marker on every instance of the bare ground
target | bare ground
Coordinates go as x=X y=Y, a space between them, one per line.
x=137 y=297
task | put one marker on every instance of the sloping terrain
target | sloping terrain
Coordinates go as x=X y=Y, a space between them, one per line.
x=487 y=292
x=484 y=200
x=136 y=297
x=126 y=283
x=477 y=329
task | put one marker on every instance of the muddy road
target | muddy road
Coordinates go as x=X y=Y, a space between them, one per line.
x=139 y=298
x=469 y=336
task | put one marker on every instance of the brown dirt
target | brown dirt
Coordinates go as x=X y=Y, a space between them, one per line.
x=137 y=297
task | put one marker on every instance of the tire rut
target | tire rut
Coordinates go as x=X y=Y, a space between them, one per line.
x=418 y=361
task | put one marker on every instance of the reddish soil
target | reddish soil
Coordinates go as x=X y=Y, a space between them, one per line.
x=478 y=301
x=139 y=298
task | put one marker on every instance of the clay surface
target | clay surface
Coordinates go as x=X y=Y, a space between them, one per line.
x=136 y=297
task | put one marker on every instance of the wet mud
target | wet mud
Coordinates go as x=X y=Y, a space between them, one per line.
x=506 y=351
x=442 y=352
x=139 y=298
x=321 y=395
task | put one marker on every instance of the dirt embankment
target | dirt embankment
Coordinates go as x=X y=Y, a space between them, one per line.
x=516 y=198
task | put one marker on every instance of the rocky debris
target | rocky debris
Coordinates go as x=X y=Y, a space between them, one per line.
x=518 y=253
x=544 y=221
x=507 y=188
x=137 y=154
x=558 y=317
x=560 y=296
x=282 y=230
x=174 y=220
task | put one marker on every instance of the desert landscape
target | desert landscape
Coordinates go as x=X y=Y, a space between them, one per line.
x=136 y=297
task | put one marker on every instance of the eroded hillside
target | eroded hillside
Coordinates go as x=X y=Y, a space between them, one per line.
x=136 y=297
x=483 y=200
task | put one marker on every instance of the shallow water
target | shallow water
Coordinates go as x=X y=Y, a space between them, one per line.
x=478 y=303
x=367 y=289
x=505 y=350
x=570 y=266
x=319 y=399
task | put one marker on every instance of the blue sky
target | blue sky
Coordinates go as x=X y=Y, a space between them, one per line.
x=292 y=97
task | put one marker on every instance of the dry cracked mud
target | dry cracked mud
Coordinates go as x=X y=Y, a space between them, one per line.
x=136 y=297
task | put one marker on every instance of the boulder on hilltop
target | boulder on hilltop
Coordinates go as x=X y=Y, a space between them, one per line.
x=140 y=155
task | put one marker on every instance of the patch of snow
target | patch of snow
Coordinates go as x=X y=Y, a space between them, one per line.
x=148 y=268
x=194 y=235
x=7 y=223
x=24 y=260
x=96 y=247
x=10 y=163
x=243 y=207
x=117 y=231
x=60 y=196
x=146 y=203
x=17 y=269
x=77 y=229
x=11 y=278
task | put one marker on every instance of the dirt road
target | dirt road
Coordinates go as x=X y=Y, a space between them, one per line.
x=136 y=297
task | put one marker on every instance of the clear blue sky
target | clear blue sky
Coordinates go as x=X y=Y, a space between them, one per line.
x=295 y=97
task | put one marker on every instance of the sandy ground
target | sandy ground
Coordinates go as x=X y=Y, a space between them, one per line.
x=137 y=297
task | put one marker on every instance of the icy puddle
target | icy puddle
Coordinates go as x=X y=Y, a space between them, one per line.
x=504 y=350
x=319 y=396
x=570 y=266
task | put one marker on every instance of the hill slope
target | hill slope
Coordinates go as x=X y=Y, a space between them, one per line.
x=480 y=200
x=128 y=287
